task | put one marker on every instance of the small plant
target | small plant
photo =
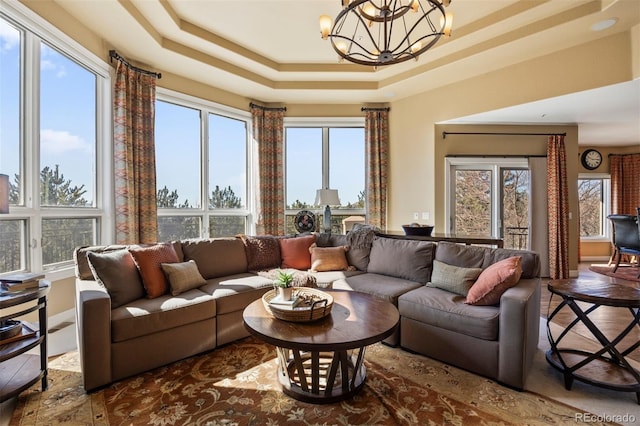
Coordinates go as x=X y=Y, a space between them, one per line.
x=284 y=279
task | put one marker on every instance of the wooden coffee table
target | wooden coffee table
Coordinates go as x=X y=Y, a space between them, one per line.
x=323 y=361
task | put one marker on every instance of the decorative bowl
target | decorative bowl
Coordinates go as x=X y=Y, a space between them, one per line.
x=419 y=230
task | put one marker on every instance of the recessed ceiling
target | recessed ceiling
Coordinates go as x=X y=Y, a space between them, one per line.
x=271 y=50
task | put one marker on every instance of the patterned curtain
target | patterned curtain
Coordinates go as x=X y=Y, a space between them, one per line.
x=377 y=164
x=625 y=183
x=134 y=156
x=558 y=208
x=268 y=134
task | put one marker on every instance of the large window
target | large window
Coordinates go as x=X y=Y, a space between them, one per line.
x=325 y=155
x=201 y=165
x=594 y=199
x=54 y=110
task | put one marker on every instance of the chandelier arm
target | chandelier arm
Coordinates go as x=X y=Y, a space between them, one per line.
x=425 y=17
x=345 y=55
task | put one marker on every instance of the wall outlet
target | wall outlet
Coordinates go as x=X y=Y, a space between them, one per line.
x=425 y=215
x=415 y=215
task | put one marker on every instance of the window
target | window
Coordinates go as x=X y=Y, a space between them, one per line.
x=324 y=155
x=593 y=201
x=54 y=114
x=489 y=196
x=201 y=166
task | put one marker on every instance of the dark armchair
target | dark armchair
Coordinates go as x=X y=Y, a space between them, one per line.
x=626 y=237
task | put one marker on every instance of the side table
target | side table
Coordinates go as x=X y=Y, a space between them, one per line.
x=18 y=369
x=607 y=366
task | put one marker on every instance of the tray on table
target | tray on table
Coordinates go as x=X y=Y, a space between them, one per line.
x=315 y=305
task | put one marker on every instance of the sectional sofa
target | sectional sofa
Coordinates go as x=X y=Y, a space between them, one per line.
x=140 y=307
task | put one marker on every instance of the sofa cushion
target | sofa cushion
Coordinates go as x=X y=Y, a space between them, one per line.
x=117 y=272
x=494 y=281
x=144 y=317
x=263 y=252
x=182 y=276
x=461 y=255
x=233 y=293
x=455 y=279
x=148 y=260
x=530 y=260
x=295 y=252
x=356 y=256
x=408 y=259
x=325 y=279
x=443 y=309
x=382 y=286
x=216 y=257
x=328 y=258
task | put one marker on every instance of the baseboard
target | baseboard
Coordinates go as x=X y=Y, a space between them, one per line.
x=61 y=318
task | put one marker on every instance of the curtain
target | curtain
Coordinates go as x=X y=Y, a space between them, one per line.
x=268 y=131
x=134 y=156
x=625 y=183
x=377 y=165
x=558 y=191
x=538 y=215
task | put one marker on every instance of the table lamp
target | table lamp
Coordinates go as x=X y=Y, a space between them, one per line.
x=327 y=197
x=4 y=194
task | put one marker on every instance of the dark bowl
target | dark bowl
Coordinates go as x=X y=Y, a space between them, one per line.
x=421 y=230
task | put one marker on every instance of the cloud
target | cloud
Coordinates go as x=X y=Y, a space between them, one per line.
x=9 y=36
x=61 y=141
x=50 y=61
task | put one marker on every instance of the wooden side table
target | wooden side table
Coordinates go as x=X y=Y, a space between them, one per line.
x=606 y=367
x=18 y=369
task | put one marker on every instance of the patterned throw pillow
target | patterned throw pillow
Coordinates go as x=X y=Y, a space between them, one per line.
x=328 y=258
x=454 y=279
x=494 y=281
x=182 y=276
x=148 y=260
x=295 y=252
x=117 y=272
x=263 y=252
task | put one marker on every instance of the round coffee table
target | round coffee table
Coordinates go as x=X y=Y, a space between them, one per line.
x=323 y=361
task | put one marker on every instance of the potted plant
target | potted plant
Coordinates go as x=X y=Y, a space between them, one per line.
x=284 y=282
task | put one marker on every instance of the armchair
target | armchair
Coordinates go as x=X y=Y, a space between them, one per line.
x=626 y=237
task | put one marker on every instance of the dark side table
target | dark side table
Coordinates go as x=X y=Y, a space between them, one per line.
x=606 y=366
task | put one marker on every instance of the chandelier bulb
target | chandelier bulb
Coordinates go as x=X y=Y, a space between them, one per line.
x=325 y=26
x=415 y=4
x=448 y=23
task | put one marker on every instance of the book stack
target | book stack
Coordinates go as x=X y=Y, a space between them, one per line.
x=280 y=303
x=20 y=281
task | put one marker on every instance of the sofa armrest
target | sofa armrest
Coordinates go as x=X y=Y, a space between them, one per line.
x=93 y=325
x=519 y=331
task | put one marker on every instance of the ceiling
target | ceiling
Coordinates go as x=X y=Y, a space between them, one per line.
x=271 y=51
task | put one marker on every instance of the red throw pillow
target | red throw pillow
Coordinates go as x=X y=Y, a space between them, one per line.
x=149 y=260
x=494 y=281
x=295 y=252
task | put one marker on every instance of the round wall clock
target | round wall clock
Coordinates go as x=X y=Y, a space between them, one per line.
x=305 y=221
x=591 y=159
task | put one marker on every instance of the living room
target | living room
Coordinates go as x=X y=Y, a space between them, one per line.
x=516 y=72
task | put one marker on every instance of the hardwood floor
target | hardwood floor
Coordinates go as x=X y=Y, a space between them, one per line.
x=611 y=321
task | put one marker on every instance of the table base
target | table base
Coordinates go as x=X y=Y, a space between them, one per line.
x=321 y=377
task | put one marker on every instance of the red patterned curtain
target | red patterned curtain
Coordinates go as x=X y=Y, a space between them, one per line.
x=377 y=164
x=268 y=131
x=625 y=183
x=134 y=156
x=558 y=208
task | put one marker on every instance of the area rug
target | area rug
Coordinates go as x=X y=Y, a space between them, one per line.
x=236 y=385
x=629 y=273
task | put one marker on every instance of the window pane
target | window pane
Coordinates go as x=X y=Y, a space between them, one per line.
x=472 y=202
x=13 y=248
x=590 y=202
x=10 y=41
x=67 y=131
x=346 y=165
x=304 y=166
x=61 y=236
x=178 y=227
x=227 y=163
x=227 y=226
x=515 y=208
x=177 y=136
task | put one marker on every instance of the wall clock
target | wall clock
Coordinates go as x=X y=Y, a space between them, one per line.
x=305 y=221
x=591 y=159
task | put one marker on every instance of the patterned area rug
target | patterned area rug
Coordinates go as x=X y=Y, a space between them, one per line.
x=236 y=385
x=629 y=273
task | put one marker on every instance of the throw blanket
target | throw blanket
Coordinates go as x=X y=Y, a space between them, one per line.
x=300 y=278
x=362 y=235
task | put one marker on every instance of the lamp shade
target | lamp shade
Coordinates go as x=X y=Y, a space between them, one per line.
x=327 y=197
x=4 y=194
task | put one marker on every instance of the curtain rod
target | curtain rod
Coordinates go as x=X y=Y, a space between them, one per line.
x=114 y=55
x=374 y=109
x=252 y=105
x=629 y=153
x=444 y=134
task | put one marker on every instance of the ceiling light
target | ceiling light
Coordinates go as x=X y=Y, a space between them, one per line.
x=603 y=25
x=385 y=32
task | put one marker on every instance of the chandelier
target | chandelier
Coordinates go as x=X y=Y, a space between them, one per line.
x=385 y=32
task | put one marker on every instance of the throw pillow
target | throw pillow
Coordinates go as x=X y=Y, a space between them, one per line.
x=494 y=281
x=148 y=260
x=328 y=258
x=117 y=272
x=454 y=279
x=263 y=252
x=295 y=252
x=182 y=276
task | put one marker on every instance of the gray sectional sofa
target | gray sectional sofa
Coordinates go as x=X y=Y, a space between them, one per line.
x=136 y=334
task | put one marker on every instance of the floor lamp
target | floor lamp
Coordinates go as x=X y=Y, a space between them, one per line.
x=328 y=198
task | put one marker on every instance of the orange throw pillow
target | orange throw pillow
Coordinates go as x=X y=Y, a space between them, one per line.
x=295 y=252
x=494 y=281
x=328 y=258
x=149 y=260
